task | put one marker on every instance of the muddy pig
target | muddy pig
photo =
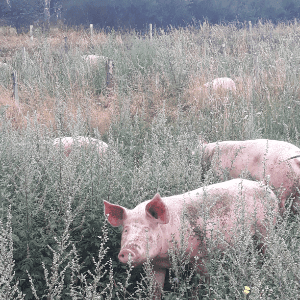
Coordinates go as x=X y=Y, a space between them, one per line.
x=152 y=224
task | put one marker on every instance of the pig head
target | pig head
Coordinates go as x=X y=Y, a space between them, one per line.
x=142 y=232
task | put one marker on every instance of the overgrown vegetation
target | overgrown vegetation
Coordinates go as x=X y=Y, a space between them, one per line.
x=152 y=123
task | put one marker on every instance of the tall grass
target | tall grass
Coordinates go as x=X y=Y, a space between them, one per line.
x=151 y=125
x=170 y=67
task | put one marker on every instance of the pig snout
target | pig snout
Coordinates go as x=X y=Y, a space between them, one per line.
x=124 y=255
x=131 y=249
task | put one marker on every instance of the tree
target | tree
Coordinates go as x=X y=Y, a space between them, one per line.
x=47 y=14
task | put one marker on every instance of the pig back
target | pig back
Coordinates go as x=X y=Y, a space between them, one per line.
x=218 y=209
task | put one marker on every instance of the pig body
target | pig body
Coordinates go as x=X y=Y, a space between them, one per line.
x=221 y=83
x=69 y=142
x=271 y=161
x=154 y=223
x=4 y=65
x=94 y=59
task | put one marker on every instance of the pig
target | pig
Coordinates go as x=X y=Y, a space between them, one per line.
x=94 y=59
x=272 y=161
x=4 y=65
x=151 y=225
x=68 y=142
x=221 y=83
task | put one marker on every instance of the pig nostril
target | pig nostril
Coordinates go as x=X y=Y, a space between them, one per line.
x=124 y=255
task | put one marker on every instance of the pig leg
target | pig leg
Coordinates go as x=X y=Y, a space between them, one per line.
x=160 y=275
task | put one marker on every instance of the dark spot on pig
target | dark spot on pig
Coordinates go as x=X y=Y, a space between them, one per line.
x=192 y=211
x=256 y=159
x=199 y=233
x=221 y=207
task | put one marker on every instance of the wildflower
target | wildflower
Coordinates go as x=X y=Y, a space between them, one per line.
x=246 y=291
x=176 y=280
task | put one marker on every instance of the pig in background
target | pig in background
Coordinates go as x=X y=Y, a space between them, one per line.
x=214 y=95
x=68 y=143
x=213 y=212
x=94 y=60
x=274 y=162
x=221 y=83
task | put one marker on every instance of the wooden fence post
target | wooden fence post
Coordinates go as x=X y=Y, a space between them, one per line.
x=150 y=31
x=31 y=32
x=110 y=84
x=204 y=49
x=15 y=89
x=24 y=55
x=157 y=81
x=224 y=49
x=91 y=30
x=66 y=47
x=109 y=74
x=250 y=32
x=257 y=69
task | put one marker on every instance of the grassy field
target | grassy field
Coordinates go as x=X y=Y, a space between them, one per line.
x=52 y=206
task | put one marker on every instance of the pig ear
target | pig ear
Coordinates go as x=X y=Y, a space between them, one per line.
x=157 y=210
x=116 y=214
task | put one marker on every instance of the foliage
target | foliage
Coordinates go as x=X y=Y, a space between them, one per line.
x=7 y=290
x=137 y=14
x=24 y=12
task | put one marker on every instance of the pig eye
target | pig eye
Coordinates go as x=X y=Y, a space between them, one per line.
x=125 y=230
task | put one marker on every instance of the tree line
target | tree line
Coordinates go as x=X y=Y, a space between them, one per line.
x=138 y=13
